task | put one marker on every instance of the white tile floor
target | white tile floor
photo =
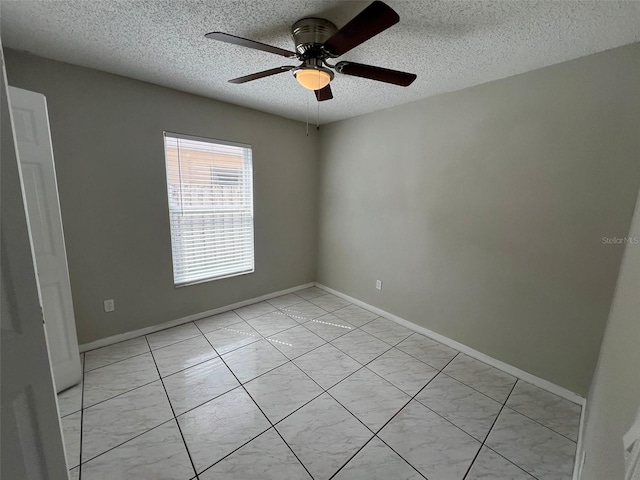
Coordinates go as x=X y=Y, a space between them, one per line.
x=308 y=386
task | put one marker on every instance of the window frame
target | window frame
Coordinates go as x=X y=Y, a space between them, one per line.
x=196 y=138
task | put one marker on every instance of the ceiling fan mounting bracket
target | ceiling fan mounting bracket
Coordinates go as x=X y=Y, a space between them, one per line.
x=309 y=34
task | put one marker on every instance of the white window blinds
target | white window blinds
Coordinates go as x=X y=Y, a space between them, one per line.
x=210 y=188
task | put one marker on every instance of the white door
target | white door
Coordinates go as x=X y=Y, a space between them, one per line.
x=31 y=124
x=30 y=435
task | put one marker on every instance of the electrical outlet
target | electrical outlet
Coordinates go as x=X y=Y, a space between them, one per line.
x=109 y=305
x=379 y=284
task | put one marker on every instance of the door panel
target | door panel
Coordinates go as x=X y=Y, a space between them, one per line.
x=61 y=345
x=41 y=230
x=43 y=208
x=25 y=125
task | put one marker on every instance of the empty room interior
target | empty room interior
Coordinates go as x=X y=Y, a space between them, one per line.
x=347 y=240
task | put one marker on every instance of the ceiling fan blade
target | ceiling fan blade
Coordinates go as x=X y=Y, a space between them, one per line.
x=245 y=42
x=256 y=76
x=374 y=19
x=376 y=73
x=324 y=93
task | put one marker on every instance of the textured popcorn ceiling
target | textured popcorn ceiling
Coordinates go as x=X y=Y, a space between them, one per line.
x=449 y=44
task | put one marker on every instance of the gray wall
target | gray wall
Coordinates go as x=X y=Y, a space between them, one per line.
x=108 y=147
x=614 y=398
x=483 y=210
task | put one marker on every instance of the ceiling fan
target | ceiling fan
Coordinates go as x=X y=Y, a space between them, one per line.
x=318 y=40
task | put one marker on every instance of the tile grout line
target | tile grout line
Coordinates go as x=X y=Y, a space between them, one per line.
x=489 y=432
x=365 y=426
x=416 y=358
x=144 y=335
x=302 y=354
x=327 y=341
x=507 y=398
x=463 y=383
x=385 y=341
x=287 y=306
x=504 y=403
x=375 y=434
x=412 y=399
x=380 y=355
x=262 y=337
x=206 y=401
x=316 y=296
x=235 y=449
x=117 y=361
x=127 y=441
x=438 y=414
x=184 y=442
x=148 y=383
x=349 y=375
x=540 y=423
x=69 y=414
x=120 y=394
x=273 y=425
x=239 y=383
x=328 y=393
x=343 y=406
x=356 y=453
x=263 y=373
x=501 y=402
x=507 y=460
x=452 y=423
x=280 y=331
x=261 y=411
x=397 y=453
x=172 y=373
x=298 y=324
x=199 y=334
x=190 y=366
x=281 y=308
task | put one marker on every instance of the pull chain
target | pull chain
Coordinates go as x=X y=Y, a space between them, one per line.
x=307 y=115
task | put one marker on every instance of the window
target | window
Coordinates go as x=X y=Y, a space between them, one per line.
x=210 y=189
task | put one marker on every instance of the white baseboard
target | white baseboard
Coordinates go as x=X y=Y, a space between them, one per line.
x=103 y=342
x=580 y=452
x=516 y=372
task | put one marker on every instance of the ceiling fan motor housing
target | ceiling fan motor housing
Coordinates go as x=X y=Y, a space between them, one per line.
x=309 y=34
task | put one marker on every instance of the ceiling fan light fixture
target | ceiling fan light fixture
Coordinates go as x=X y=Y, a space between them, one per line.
x=313 y=78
